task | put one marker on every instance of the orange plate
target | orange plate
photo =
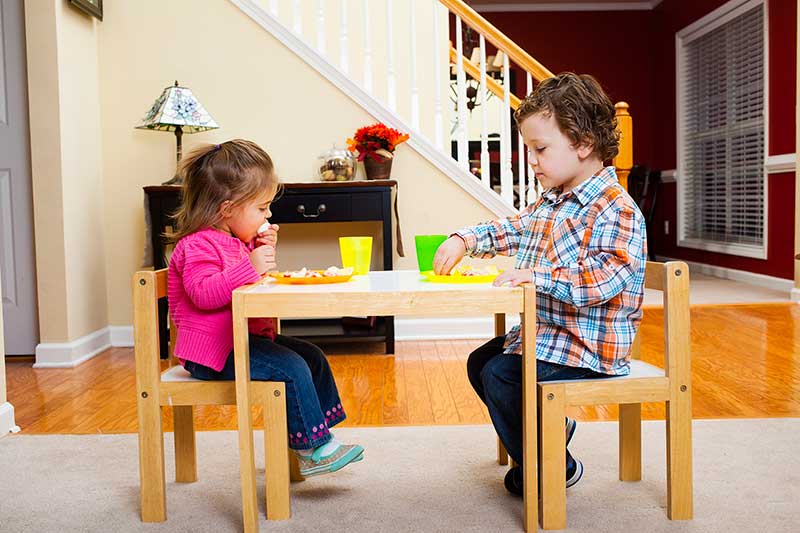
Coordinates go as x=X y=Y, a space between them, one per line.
x=278 y=276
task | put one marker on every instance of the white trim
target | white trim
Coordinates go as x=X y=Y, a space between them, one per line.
x=423 y=146
x=121 y=336
x=697 y=29
x=426 y=329
x=781 y=163
x=7 y=424
x=768 y=282
x=795 y=295
x=669 y=176
x=572 y=6
x=71 y=354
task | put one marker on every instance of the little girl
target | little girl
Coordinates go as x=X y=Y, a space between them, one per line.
x=227 y=192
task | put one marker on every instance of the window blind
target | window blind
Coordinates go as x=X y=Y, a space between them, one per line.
x=723 y=175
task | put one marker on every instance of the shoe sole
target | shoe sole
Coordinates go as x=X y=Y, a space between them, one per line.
x=356 y=454
x=577 y=475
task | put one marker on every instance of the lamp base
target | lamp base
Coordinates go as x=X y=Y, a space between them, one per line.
x=176 y=180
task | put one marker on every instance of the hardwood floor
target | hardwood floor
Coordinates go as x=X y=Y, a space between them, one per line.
x=746 y=363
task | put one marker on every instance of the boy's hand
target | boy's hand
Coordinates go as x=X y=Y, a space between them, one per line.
x=514 y=277
x=268 y=237
x=448 y=255
x=263 y=259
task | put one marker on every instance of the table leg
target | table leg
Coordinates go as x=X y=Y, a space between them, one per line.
x=529 y=430
x=241 y=356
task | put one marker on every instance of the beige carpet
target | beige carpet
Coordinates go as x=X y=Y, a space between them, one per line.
x=747 y=478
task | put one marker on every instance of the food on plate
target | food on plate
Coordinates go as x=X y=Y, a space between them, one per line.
x=468 y=270
x=306 y=273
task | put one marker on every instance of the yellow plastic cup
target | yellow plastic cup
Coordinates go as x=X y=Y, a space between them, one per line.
x=356 y=252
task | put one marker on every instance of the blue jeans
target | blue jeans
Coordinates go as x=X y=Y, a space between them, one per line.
x=497 y=378
x=312 y=400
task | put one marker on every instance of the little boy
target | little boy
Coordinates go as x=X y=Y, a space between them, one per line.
x=582 y=244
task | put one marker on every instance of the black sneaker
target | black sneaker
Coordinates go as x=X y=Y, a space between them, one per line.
x=513 y=479
x=574 y=470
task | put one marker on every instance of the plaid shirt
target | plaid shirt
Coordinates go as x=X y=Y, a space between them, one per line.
x=587 y=251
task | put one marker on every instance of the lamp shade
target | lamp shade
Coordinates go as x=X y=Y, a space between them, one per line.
x=177 y=106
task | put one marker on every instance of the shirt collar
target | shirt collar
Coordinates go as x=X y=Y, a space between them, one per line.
x=589 y=189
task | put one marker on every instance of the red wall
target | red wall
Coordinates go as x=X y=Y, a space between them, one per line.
x=632 y=53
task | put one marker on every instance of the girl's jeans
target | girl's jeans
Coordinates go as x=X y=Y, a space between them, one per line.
x=497 y=378
x=312 y=400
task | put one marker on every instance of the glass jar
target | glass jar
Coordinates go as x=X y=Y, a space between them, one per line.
x=337 y=164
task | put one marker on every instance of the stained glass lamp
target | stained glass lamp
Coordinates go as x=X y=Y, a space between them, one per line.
x=177 y=110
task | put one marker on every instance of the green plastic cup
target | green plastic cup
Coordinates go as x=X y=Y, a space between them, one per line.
x=426 y=250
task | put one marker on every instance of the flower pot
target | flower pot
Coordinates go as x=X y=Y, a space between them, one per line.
x=378 y=170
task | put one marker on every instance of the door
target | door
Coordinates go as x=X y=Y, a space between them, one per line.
x=17 y=266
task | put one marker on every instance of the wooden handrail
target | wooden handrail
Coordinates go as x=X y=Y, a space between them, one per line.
x=475 y=73
x=624 y=159
x=497 y=38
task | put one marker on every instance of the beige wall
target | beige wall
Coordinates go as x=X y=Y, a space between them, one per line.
x=89 y=85
x=67 y=171
x=255 y=88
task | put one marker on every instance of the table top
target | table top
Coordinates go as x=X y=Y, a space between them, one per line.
x=385 y=281
x=391 y=292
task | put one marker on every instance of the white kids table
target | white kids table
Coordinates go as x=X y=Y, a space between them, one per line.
x=384 y=293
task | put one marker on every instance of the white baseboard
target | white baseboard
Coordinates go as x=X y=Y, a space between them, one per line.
x=71 y=354
x=121 y=336
x=769 y=282
x=795 y=295
x=426 y=329
x=7 y=424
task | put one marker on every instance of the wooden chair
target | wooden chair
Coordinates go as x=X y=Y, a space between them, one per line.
x=646 y=383
x=175 y=388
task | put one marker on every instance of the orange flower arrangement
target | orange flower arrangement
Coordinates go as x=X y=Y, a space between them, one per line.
x=377 y=141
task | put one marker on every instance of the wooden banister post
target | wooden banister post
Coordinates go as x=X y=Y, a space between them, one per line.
x=624 y=159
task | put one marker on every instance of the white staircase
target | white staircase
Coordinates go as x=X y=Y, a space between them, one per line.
x=394 y=59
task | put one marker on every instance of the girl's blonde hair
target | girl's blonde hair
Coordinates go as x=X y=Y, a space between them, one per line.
x=236 y=171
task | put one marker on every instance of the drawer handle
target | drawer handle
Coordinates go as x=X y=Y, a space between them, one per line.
x=302 y=210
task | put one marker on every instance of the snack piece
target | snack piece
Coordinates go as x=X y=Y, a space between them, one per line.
x=468 y=270
x=264 y=227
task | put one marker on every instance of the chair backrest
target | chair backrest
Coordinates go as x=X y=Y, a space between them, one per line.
x=672 y=279
x=148 y=287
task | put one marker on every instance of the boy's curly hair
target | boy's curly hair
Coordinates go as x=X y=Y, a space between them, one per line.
x=583 y=111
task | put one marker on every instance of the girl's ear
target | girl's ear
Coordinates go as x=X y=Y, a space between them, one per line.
x=226 y=209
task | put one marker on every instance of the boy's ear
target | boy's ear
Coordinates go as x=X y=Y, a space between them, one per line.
x=586 y=148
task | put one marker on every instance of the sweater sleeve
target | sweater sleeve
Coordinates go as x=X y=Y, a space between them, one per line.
x=208 y=282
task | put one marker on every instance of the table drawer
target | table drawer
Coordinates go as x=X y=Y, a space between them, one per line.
x=312 y=208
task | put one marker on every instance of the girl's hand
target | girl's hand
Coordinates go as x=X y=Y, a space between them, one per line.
x=268 y=237
x=448 y=255
x=263 y=259
x=514 y=277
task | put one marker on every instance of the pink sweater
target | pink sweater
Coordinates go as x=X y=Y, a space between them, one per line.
x=204 y=269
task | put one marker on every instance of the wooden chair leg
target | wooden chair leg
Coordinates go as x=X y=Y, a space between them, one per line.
x=630 y=442
x=276 y=462
x=185 y=447
x=502 y=454
x=294 y=468
x=152 y=483
x=679 y=459
x=552 y=457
